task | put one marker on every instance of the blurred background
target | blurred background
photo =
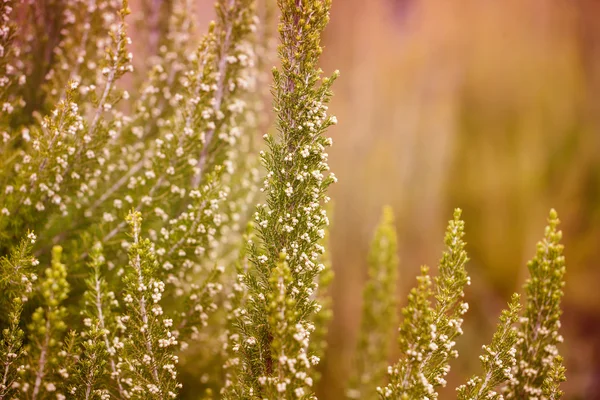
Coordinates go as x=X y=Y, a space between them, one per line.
x=491 y=106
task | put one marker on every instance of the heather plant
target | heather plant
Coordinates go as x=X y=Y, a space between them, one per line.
x=137 y=247
x=378 y=319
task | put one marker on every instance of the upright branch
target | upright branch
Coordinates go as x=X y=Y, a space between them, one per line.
x=16 y=285
x=150 y=342
x=537 y=350
x=160 y=91
x=428 y=332
x=11 y=351
x=11 y=72
x=182 y=174
x=88 y=379
x=64 y=151
x=498 y=360
x=551 y=386
x=379 y=313
x=275 y=325
x=46 y=332
x=323 y=296
x=99 y=370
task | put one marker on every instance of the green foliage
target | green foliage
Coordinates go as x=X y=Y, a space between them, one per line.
x=100 y=340
x=275 y=324
x=538 y=334
x=74 y=159
x=16 y=270
x=16 y=284
x=43 y=369
x=92 y=365
x=379 y=312
x=12 y=348
x=498 y=360
x=322 y=318
x=149 y=341
x=429 y=331
x=556 y=375
x=132 y=311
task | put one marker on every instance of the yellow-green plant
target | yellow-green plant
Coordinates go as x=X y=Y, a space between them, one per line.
x=379 y=312
x=522 y=360
x=432 y=322
x=275 y=324
x=538 y=370
x=78 y=153
x=96 y=305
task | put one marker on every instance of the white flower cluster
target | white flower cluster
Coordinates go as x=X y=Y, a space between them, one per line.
x=159 y=340
x=67 y=150
x=11 y=66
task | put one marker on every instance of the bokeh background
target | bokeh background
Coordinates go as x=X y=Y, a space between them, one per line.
x=491 y=106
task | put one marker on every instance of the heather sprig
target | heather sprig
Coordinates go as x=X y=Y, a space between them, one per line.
x=16 y=285
x=17 y=270
x=324 y=298
x=102 y=344
x=89 y=378
x=556 y=375
x=11 y=349
x=46 y=333
x=234 y=305
x=498 y=359
x=11 y=76
x=274 y=326
x=68 y=360
x=378 y=314
x=432 y=322
x=148 y=361
x=538 y=330
x=65 y=150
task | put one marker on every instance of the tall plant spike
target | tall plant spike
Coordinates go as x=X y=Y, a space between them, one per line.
x=429 y=331
x=46 y=333
x=323 y=296
x=16 y=285
x=11 y=350
x=275 y=352
x=102 y=343
x=11 y=72
x=378 y=314
x=556 y=375
x=538 y=330
x=149 y=360
x=498 y=360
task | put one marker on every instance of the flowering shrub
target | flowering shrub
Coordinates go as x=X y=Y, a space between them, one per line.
x=132 y=248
